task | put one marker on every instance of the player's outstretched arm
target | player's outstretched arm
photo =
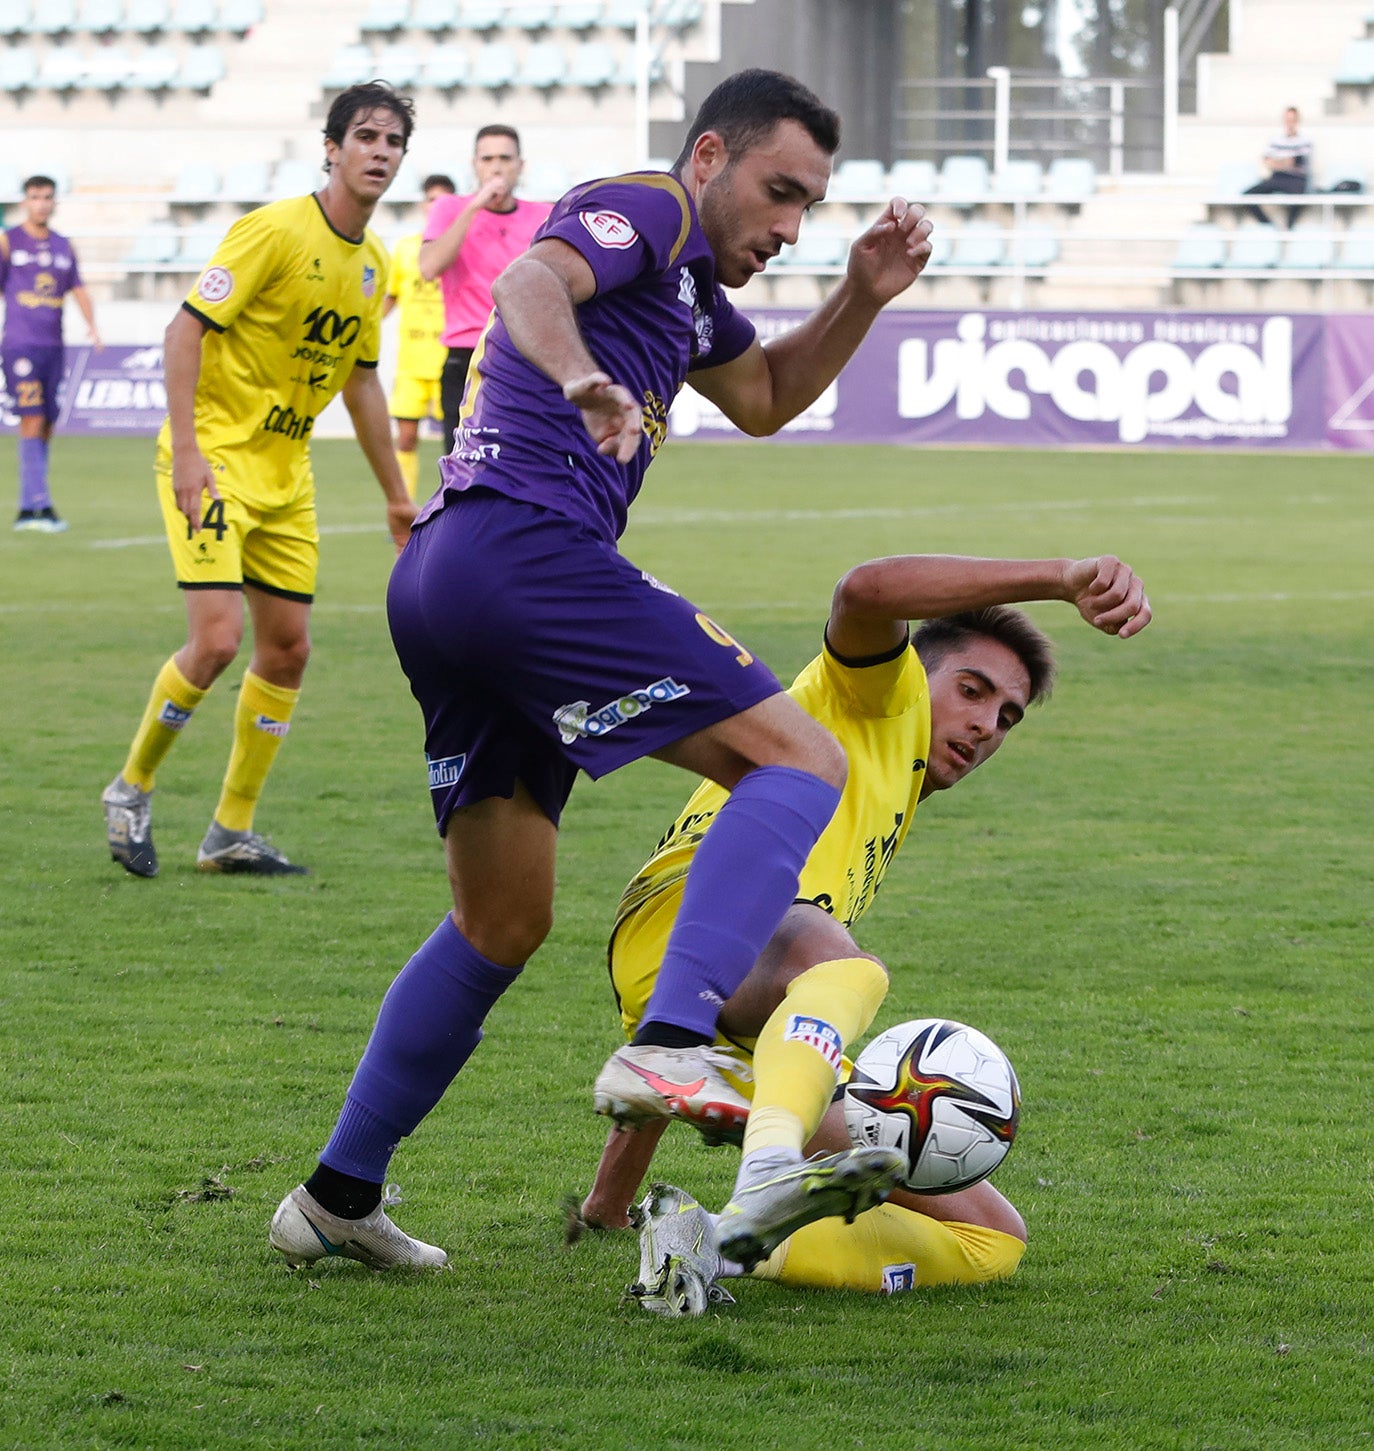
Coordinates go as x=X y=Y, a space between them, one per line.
x=366 y=403
x=873 y=602
x=192 y=475
x=767 y=387
x=624 y=1162
x=537 y=296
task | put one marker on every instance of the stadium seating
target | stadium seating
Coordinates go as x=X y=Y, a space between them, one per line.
x=238 y=17
x=1203 y=245
x=915 y=180
x=193 y=17
x=15 y=16
x=545 y=66
x=1253 y=249
x=857 y=179
x=1019 y=180
x=385 y=17
x=293 y=178
x=1033 y=249
x=147 y=17
x=622 y=14
x=154 y=247
x=679 y=14
x=1357 y=251
x=155 y=68
x=447 y=67
x=398 y=63
x=1349 y=169
x=1310 y=253
x=532 y=15
x=816 y=250
x=201 y=67
x=495 y=67
x=62 y=69
x=593 y=66
x=581 y=15
x=1234 y=178
x=963 y=180
x=246 y=181
x=481 y=15
x=434 y=17
x=197 y=184
x=1070 y=180
x=978 y=247
x=107 y=69
x=198 y=245
x=53 y=17
x=351 y=65
x=99 y=17
x=1356 y=64
x=18 y=70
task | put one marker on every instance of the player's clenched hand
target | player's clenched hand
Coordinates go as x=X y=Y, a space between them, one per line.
x=400 y=515
x=192 y=476
x=890 y=255
x=610 y=414
x=1108 y=594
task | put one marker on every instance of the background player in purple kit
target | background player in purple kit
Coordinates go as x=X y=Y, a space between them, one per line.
x=37 y=270
x=536 y=649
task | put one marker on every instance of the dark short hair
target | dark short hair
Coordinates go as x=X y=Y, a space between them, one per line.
x=745 y=107
x=498 y=128
x=359 y=100
x=38 y=180
x=934 y=639
x=439 y=179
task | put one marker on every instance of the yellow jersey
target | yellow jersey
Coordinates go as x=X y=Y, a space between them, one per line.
x=420 y=306
x=880 y=713
x=291 y=307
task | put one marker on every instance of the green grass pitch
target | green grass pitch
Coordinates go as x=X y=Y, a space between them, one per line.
x=1157 y=899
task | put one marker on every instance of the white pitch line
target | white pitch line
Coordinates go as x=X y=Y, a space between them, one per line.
x=139 y=540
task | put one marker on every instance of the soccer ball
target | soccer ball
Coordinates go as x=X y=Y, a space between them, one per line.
x=943 y=1094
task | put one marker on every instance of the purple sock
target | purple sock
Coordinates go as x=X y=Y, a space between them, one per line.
x=743 y=878
x=33 y=474
x=429 y=1023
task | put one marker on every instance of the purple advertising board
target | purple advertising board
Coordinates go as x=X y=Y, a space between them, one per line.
x=1038 y=379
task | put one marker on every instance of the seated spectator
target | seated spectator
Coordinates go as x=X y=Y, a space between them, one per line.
x=1288 y=159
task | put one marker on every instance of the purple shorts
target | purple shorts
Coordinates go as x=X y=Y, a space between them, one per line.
x=536 y=649
x=33 y=379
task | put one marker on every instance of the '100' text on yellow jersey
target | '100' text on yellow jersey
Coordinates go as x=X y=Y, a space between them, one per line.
x=880 y=713
x=291 y=307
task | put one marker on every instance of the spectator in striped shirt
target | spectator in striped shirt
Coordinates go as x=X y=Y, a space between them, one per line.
x=1288 y=159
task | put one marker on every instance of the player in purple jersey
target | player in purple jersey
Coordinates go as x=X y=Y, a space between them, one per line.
x=37 y=270
x=537 y=650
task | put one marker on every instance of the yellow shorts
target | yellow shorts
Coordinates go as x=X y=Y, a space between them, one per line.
x=274 y=549
x=417 y=398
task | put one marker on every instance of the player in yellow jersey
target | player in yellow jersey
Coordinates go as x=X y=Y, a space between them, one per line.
x=421 y=355
x=286 y=315
x=915 y=714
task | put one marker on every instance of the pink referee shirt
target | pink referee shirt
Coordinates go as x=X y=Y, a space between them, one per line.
x=494 y=240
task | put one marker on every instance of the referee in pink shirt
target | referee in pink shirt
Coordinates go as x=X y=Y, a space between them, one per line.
x=468 y=242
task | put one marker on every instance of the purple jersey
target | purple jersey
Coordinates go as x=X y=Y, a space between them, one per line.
x=35 y=276
x=658 y=312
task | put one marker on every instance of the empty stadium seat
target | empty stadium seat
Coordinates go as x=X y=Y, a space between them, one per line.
x=18 y=70
x=155 y=68
x=546 y=66
x=1310 y=253
x=1202 y=245
x=915 y=180
x=435 y=17
x=201 y=67
x=1019 y=180
x=352 y=64
x=198 y=244
x=978 y=246
x=99 y=17
x=1349 y=169
x=593 y=66
x=197 y=183
x=446 y=69
x=622 y=14
x=15 y=16
x=532 y=15
x=629 y=61
x=1033 y=248
x=62 y=69
x=481 y=15
x=495 y=66
x=580 y=15
x=1357 y=251
x=246 y=181
x=1070 y=180
x=238 y=17
x=155 y=245
x=679 y=14
x=53 y=17
x=816 y=249
x=399 y=64
x=193 y=17
x=147 y=17
x=964 y=180
x=1356 y=65
x=382 y=17
x=294 y=178
x=1253 y=249
x=857 y=179
x=108 y=68
x=941 y=245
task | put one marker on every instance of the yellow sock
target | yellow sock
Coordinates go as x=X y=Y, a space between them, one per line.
x=797 y=1056
x=410 y=468
x=261 y=719
x=169 y=708
x=891 y=1249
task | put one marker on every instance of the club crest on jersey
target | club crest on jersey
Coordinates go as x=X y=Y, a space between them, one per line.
x=897 y=1278
x=216 y=283
x=369 y=281
x=818 y=1034
x=445 y=771
x=579 y=719
x=609 y=229
x=21 y=367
